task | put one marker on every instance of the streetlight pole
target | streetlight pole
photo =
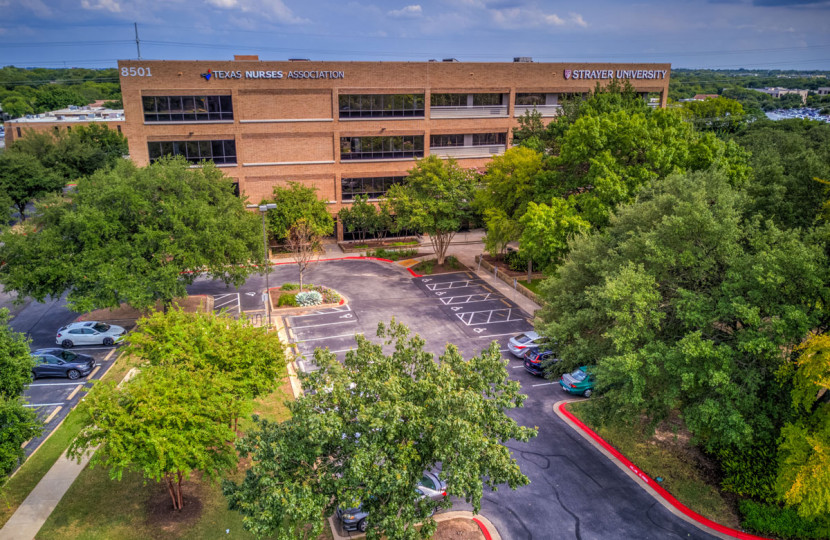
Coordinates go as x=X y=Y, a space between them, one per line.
x=263 y=208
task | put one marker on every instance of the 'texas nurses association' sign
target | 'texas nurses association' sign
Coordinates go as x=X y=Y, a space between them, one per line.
x=308 y=74
x=615 y=74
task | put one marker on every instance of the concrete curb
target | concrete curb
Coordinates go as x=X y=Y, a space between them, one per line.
x=646 y=482
x=487 y=528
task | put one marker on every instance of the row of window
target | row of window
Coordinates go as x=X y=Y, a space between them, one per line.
x=209 y=108
x=405 y=146
x=373 y=187
x=187 y=108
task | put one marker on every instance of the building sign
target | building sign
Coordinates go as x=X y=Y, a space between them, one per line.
x=310 y=74
x=618 y=74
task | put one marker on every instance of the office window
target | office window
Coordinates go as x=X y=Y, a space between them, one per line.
x=487 y=100
x=187 y=108
x=381 y=105
x=220 y=152
x=486 y=139
x=372 y=188
x=406 y=146
x=530 y=99
x=448 y=100
x=443 y=141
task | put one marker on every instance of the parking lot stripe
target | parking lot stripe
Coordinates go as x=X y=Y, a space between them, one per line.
x=109 y=355
x=75 y=391
x=325 y=324
x=499 y=335
x=344 y=350
x=545 y=384
x=327 y=337
x=516 y=367
x=57 y=384
x=42 y=404
x=325 y=311
x=94 y=371
x=54 y=413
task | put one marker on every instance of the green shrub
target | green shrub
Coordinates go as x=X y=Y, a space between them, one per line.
x=773 y=520
x=452 y=263
x=407 y=243
x=516 y=260
x=330 y=296
x=392 y=254
x=424 y=267
x=290 y=287
x=748 y=472
x=287 y=300
x=309 y=298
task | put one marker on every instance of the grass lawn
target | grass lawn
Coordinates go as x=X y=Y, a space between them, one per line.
x=21 y=484
x=670 y=455
x=451 y=264
x=96 y=507
x=533 y=285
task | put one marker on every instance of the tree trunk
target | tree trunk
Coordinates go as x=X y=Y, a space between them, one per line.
x=529 y=268
x=171 y=490
x=179 y=489
x=301 y=279
x=21 y=209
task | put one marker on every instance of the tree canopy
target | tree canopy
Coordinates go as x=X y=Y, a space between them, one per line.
x=367 y=429
x=23 y=178
x=134 y=235
x=436 y=199
x=297 y=202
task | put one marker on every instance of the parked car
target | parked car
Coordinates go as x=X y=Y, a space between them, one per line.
x=536 y=358
x=518 y=345
x=578 y=382
x=430 y=486
x=61 y=363
x=89 y=333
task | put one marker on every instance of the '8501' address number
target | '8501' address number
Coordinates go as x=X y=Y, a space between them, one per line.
x=136 y=72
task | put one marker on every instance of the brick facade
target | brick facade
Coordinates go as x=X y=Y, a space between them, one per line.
x=289 y=129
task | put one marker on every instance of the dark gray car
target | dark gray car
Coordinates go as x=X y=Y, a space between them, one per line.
x=430 y=486
x=61 y=363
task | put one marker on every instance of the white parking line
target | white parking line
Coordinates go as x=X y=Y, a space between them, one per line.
x=449 y=300
x=506 y=313
x=42 y=404
x=507 y=334
x=327 y=337
x=230 y=300
x=89 y=348
x=545 y=384
x=517 y=367
x=344 y=350
x=324 y=324
x=58 y=384
x=337 y=309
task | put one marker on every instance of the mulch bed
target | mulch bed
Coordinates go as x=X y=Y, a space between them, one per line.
x=458 y=529
x=160 y=513
x=502 y=266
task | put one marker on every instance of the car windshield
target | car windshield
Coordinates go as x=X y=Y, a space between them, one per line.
x=522 y=338
x=426 y=481
x=68 y=356
x=101 y=327
x=579 y=375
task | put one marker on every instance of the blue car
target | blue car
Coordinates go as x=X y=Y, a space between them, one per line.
x=536 y=359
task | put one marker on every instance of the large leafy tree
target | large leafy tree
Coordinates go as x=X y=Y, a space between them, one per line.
x=296 y=202
x=17 y=423
x=547 y=229
x=165 y=423
x=720 y=114
x=436 y=199
x=134 y=235
x=683 y=304
x=361 y=218
x=365 y=431
x=23 y=178
x=804 y=469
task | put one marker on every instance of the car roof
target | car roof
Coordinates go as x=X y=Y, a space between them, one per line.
x=52 y=350
x=81 y=324
x=532 y=335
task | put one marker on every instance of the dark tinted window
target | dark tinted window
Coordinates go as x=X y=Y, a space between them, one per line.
x=187 y=108
x=220 y=152
x=484 y=139
x=68 y=356
x=381 y=105
x=101 y=327
x=441 y=141
x=405 y=146
x=578 y=375
x=426 y=481
x=530 y=99
x=372 y=188
x=448 y=100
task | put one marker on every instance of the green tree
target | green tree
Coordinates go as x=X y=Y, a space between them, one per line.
x=683 y=304
x=251 y=359
x=547 y=229
x=165 y=423
x=436 y=199
x=17 y=106
x=19 y=424
x=6 y=209
x=295 y=202
x=23 y=179
x=361 y=218
x=365 y=431
x=134 y=235
x=54 y=97
x=719 y=114
x=804 y=468
x=501 y=230
x=509 y=182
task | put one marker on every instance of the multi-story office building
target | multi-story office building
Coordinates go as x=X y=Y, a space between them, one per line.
x=346 y=128
x=64 y=120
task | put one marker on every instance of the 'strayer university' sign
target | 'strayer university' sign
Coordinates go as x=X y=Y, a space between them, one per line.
x=618 y=74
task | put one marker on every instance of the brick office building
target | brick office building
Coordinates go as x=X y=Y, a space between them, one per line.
x=347 y=128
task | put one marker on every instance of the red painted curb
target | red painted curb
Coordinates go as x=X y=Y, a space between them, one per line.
x=654 y=485
x=484 y=530
x=415 y=274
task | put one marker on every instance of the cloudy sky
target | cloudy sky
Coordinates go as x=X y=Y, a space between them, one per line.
x=778 y=34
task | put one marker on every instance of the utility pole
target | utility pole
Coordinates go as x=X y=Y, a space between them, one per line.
x=137 y=42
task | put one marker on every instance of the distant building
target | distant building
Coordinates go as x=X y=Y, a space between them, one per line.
x=823 y=91
x=702 y=97
x=64 y=119
x=777 y=92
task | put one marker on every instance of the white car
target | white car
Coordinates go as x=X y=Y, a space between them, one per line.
x=519 y=345
x=89 y=333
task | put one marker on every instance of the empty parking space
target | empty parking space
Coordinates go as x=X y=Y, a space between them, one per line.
x=228 y=303
x=333 y=328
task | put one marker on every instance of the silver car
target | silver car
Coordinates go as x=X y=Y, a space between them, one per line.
x=89 y=333
x=519 y=345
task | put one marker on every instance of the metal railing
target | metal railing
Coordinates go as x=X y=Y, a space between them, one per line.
x=468 y=112
x=544 y=110
x=468 y=151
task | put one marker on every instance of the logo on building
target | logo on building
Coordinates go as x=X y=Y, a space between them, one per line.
x=567 y=73
x=207 y=75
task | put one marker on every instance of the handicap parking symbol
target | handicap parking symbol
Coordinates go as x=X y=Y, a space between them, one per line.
x=478 y=330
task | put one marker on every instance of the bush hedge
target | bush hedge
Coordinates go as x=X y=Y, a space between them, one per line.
x=287 y=300
x=773 y=520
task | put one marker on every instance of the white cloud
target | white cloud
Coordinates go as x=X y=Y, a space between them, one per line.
x=517 y=18
x=577 y=19
x=224 y=4
x=269 y=9
x=107 y=5
x=408 y=12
